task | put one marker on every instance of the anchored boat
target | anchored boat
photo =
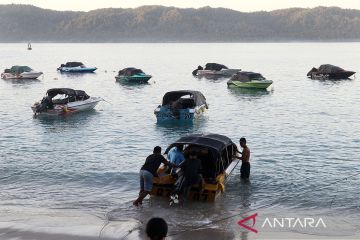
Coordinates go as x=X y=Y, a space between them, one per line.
x=216 y=153
x=214 y=70
x=20 y=72
x=185 y=105
x=62 y=101
x=75 y=67
x=132 y=75
x=328 y=71
x=249 y=80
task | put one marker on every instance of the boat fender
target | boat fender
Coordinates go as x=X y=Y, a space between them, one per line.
x=65 y=109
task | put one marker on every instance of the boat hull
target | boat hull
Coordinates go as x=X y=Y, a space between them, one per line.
x=69 y=108
x=133 y=79
x=164 y=114
x=163 y=186
x=252 y=84
x=217 y=74
x=24 y=75
x=76 y=70
x=334 y=76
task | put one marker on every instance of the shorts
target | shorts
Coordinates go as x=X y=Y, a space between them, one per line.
x=245 y=170
x=146 y=180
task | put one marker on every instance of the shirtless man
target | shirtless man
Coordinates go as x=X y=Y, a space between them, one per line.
x=245 y=160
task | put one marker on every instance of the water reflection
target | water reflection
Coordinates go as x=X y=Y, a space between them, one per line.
x=74 y=75
x=62 y=123
x=248 y=92
x=330 y=82
x=179 y=128
x=21 y=82
x=133 y=85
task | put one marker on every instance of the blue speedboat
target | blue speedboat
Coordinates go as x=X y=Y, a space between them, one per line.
x=184 y=105
x=75 y=67
x=132 y=75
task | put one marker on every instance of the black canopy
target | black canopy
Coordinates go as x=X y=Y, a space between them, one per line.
x=246 y=76
x=215 y=66
x=216 y=142
x=130 y=71
x=67 y=91
x=175 y=95
x=73 y=64
x=328 y=68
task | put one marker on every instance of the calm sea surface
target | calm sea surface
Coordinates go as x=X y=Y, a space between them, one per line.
x=304 y=134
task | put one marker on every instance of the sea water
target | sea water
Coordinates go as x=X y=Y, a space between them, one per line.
x=76 y=174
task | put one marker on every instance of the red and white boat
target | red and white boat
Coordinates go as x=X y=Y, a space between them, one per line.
x=63 y=101
x=20 y=72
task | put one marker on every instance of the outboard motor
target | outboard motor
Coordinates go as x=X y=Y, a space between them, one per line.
x=312 y=71
x=194 y=73
x=46 y=103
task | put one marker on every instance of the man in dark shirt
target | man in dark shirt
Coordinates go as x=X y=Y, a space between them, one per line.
x=148 y=172
x=192 y=169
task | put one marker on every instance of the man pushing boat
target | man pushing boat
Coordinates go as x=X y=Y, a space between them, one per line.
x=245 y=160
x=148 y=172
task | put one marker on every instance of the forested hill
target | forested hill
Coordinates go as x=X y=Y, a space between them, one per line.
x=22 y=23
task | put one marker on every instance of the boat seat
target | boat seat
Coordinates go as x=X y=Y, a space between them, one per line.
x=187 y=103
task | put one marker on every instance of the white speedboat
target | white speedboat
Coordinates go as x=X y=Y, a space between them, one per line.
x=63 y=101
x=20 y=72
x=75 y=67
x=214 y=70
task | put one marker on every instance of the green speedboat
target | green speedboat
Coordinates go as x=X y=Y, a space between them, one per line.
x=249 y=80
x=132 y=75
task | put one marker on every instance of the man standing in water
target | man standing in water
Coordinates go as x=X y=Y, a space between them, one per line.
x=245 y=160
x=148 y=172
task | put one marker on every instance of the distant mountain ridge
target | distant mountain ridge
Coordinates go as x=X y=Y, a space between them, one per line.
x=21 y=23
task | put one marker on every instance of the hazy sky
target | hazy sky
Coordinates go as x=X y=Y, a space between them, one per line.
x=242 y=5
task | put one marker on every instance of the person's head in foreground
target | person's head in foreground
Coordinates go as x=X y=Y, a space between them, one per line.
x=242 y=142
x=157 y=150
x=156 y=229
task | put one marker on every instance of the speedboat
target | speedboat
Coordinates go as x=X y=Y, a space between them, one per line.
x=132 y=75
x=20 y=72
x=75 y=67
x=214 y=70
x=328 y=71
x=216 y=153
x=185 y=105
x=63 y=101
x=248 y=80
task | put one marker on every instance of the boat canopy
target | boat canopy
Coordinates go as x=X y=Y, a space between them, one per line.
x=328 y=68
x=72 y=64
x=18 y=69
x=220 y=151
x=67 y=91
x=172 y=96
x=130 y=71
x=215 y=66
x=246 y=76
x=216 y=142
